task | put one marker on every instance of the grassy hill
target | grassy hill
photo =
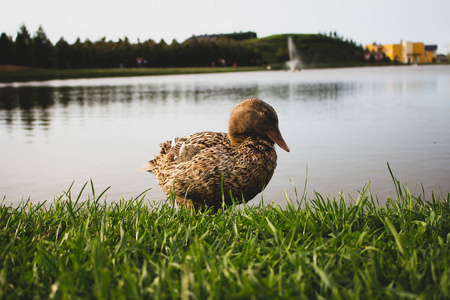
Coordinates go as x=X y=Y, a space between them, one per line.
x=316 y=50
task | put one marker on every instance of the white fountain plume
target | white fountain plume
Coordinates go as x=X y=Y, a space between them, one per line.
x=294 y=62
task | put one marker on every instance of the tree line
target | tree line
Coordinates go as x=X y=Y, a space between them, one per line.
x=39 y=52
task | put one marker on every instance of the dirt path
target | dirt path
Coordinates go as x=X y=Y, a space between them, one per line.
x=9 y=68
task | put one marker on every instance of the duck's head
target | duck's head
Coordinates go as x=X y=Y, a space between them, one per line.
x=254 y=116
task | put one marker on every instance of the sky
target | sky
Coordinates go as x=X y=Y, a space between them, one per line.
x=364 y=21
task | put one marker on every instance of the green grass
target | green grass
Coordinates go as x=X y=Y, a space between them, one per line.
x=315 y=50
x=322 y=248
x=50 y=74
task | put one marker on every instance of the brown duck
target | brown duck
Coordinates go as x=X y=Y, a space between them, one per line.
x=205 y=168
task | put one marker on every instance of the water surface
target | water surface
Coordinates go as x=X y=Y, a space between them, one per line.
x=343 y=126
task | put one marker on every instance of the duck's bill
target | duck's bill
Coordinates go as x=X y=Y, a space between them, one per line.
x=275 y=135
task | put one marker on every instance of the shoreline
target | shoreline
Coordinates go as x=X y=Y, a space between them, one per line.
x=11 y=74
x=21 y=74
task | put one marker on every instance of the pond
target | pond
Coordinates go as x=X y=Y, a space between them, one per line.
x=342 y=125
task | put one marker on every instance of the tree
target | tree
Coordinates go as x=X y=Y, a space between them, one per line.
x=63 y=54
x=78 y=55
x=124 y=52
x=197 y=51
x=22 y=47
x=6 y=49
x=162 y=58
x=42 y=50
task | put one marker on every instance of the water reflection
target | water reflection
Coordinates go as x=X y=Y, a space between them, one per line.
x=37 y=104
x=33 y=104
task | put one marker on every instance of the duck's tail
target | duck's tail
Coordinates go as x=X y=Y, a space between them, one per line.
x=155 y=163
x=147 y=168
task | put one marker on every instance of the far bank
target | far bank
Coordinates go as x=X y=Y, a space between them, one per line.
x=17 y=74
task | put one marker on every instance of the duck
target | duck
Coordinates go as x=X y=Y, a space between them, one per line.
x=214 y=169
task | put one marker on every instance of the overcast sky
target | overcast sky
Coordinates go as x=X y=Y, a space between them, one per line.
x=364 y=21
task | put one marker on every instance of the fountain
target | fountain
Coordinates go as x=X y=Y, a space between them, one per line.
x=294 y=62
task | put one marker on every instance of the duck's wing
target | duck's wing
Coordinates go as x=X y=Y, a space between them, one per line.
x=191 y=164
x=184 y=149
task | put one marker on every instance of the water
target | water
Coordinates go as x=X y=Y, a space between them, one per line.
x=342 y=125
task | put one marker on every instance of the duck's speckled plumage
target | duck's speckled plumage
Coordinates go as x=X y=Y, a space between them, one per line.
x=197 y=167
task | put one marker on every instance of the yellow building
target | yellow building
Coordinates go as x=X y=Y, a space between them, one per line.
x=394 y=52
x=375 y=48
x=406 y=52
